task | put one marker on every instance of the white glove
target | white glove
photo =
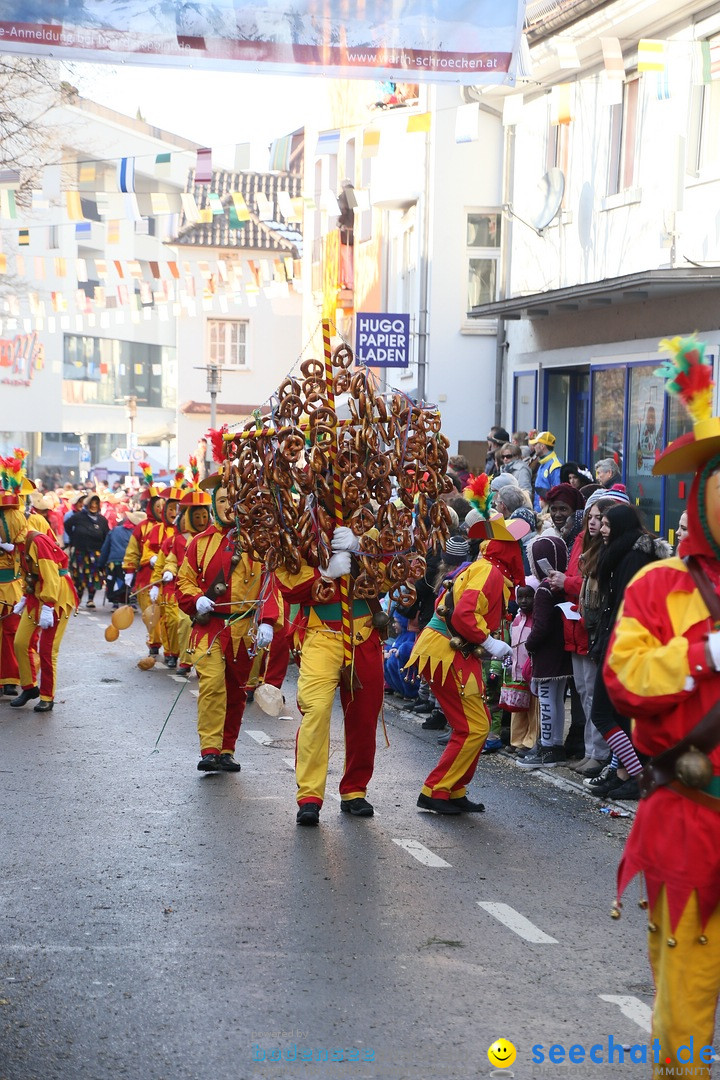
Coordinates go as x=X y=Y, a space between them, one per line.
x=47 y=617
x=154 y=593
x=264 y=635
x=339 y=565
x=7 y=547
x=20 y=606
x=497 y=648
x=344 y=539
x=129 y=579
x=203 y=605
x=168 y=576
x=153 y=560
x=713 y=643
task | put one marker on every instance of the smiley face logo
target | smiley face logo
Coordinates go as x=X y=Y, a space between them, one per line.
x=501 y=1054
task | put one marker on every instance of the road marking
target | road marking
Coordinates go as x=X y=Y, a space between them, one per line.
x=195 y=691
x=516 y=922
x=259 y=736
x=177 y=678
x=631 y=1007
x=290 y=762
x=420 y=852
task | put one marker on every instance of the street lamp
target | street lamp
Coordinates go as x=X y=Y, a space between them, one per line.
x=214 y=386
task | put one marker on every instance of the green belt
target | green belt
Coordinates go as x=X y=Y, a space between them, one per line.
x=713 y=788
x=333 y=612
x=63 y=573
x=438 y=623
x=8 y=575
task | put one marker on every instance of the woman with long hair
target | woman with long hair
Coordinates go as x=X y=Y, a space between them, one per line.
x=627 y=547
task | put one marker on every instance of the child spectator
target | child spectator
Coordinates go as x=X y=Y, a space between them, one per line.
x=516 y=694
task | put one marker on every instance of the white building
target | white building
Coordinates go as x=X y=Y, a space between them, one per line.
x=633 y=253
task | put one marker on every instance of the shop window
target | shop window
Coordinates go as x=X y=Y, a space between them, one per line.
x=227 y=342
x=482 y=256
x=646 y=404
x=104 y=371
x=624 y=139
x=608 y=414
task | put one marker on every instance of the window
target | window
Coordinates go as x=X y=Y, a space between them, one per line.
x=105 y=371
x=624 y=139
x=704 y=133
x=53 y=236
x=482 y=254
x=228 y=342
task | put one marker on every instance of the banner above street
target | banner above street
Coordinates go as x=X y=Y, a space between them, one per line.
x=466 y=41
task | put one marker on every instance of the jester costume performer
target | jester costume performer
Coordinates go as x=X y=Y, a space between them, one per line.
x=227 y=594
x=142 y=552
x=14 y=486
x=321 y=672
x=49 y=601
x=663 y=670
x=194 y=518
x=471 y=609
x=158 y=594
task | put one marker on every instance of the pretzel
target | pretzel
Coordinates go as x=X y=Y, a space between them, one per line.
x=368 y=543
x=313 y=386
x=325 y=521
x=318 y=460
x=418 y=566
x=287 y=387
x=290 y=408
x=292 y=445
x=398 y=569
x=342 y=357
x=313 y=369
x=381 y=490
x=341 y=382
x=378 y=467
x=310 y=554
x=363 y=588
x=403 y=595
x=358 y=383
x=272 y=559
x=323 y=591
x=362 y=520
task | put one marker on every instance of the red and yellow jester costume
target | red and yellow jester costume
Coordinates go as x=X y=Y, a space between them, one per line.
x=320 y=676
x=142 y=551
x=194 y=518
x=158 y=593
x=663 y=670
x=475 y=606
x=235 y=593
x=13 y=485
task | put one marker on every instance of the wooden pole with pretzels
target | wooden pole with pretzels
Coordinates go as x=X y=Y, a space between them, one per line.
x=349 y=679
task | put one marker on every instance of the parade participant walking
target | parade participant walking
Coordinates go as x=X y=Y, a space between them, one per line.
x=468 y=613
x=86 y=535
x=49 y=596
x=663 y=670
x=113 y=553
x=321 y=674
x=142 y=551
x=157 y=593
x=194 y=518
x=234 y=606
x=14 y=486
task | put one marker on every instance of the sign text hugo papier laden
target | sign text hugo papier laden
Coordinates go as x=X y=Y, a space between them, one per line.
x=20 y=358
x=382 y=340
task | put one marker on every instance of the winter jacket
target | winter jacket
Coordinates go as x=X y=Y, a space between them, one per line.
x=575 y=631
x=546 y=641
x=521 y=471
x=85 y=534
x=547 y=476
x=116 y=541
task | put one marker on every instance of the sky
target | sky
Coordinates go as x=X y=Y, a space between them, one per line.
x=216 y=109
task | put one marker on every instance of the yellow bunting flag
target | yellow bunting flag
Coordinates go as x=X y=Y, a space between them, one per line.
x=419 y=122
x=159 y=202
x=113 y=232
x=3 y=263
x=60 y=267
x=560 y=103
x=652 y=55
x=240 y=205
x=87 y=173
x=74 y=206
x=371 y=142
x=24 y=237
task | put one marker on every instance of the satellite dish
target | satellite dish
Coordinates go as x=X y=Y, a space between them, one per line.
x=550 y=196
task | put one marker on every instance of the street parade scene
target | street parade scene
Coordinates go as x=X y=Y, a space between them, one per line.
x=359 y=540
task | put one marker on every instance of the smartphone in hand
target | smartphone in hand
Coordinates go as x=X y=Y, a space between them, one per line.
x=544 y=565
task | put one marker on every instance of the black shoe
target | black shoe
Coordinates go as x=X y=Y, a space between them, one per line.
x=467 y=807
x=171 y=661
x=154 y=650
x=357 y=807
x=90 y=604
x=440 y=806
x=423 y=707
x=628 y=789
x=209 y=763
x=525 y=750
x=10 y=691
x=228 y=763
x=44 y=706
x=24 y=697
x=250 y=696
x=600 y=785
x=184 y=669
x=435 y=722
x=308 y=814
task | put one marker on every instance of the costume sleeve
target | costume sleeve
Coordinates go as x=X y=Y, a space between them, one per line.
x=271 y=606
x=131 y=560
x=297 y=588
x=478 y=610
x=188 y=588
x=647 y=664
x=47 y=588
x=171 y=562
x=157 y=570
x=542 y=624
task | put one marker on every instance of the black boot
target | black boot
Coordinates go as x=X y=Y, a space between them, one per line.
x=44 y=706
x=24 y=697
x=10 y=691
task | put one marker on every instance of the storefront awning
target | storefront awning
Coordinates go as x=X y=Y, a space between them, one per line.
x=597 y=295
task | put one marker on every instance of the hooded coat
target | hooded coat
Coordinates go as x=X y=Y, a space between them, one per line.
x=546 y=641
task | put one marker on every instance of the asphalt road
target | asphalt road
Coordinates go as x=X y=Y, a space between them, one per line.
x=161 y=924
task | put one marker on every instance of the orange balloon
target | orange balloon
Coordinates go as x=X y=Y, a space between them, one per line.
x=123 y=617
x=111 y=633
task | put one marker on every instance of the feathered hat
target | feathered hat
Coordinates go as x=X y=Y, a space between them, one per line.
x=689 y=377
x=151 y=489
x=177 y=489
x=194 y=496
x=479 y=494
x=13 y=480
